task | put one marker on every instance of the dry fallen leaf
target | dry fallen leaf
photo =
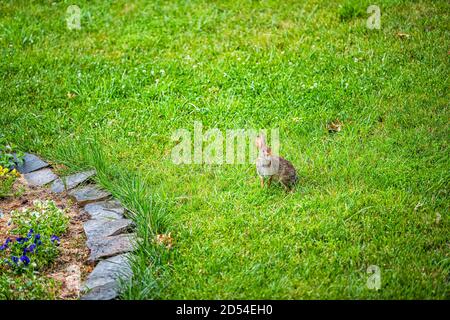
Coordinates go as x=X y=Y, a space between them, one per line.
x=334 y=126
x=403 y=35
x=165 y=239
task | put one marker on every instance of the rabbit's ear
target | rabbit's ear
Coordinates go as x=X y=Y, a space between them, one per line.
x=269 y=151
x=262 y=138
x=258 y=142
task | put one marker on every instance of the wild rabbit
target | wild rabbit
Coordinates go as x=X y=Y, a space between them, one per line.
x=270 y=166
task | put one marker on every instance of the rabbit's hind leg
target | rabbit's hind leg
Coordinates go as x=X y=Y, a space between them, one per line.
x=287 y=187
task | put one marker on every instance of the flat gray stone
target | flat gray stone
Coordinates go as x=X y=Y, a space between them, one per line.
x=108 y=291
x=105 y=228
x=40 y=177
x=105 y=210
x=103 y=282
x=31 y=163
x=70 y=182
x=106 y=247
x=87 y=194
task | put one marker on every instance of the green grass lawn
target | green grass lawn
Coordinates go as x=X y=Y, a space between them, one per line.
x=371 y=194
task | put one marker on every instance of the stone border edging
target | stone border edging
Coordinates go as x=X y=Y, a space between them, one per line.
x=106 y=230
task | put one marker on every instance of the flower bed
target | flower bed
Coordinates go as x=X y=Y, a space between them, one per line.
x=37 y=248
x=41 y=246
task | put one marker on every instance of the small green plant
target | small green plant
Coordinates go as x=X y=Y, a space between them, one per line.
x=43 y=217
x=30 y=286
x=7 y=179
x=9 y=157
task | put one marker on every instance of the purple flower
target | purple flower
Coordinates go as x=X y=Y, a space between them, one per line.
x=37 y=239
x=5 y=245
x=21 y=240
x=15 y=259
x=30 y=248
x=25 y=260
x=54 y=238
x=30 y=233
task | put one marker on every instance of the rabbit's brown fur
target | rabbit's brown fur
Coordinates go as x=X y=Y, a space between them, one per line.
x=270 y=166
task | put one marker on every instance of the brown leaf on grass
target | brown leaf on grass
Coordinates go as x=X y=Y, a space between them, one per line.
x=403 y=35
x=165 y=240
x=334 y=126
